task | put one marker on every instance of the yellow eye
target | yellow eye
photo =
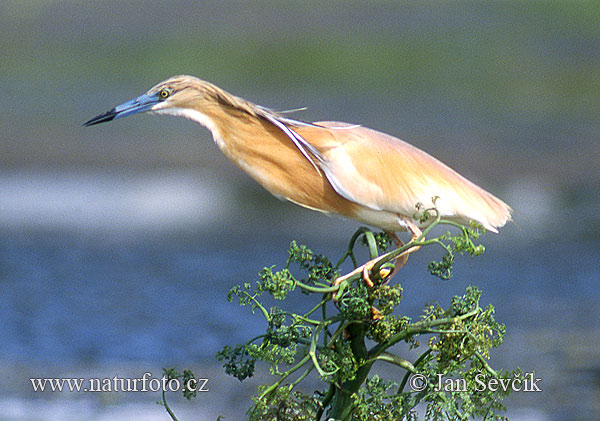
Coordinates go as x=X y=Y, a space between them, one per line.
x=164 y=93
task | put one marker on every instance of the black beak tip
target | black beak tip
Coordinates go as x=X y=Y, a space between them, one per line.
x=107 y=116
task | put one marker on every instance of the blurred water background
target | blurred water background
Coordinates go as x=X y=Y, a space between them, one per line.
x=118 y=243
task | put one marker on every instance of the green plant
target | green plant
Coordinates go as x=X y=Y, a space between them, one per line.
x=342 y=342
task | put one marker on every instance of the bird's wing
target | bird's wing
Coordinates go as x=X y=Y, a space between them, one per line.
x=306 y=148
x=382 y=172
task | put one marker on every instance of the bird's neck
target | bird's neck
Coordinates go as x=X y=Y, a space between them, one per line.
x=232 y=129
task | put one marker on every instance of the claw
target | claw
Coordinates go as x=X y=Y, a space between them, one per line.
x=365 y=274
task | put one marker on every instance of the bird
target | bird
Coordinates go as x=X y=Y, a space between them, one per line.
x=328 y=166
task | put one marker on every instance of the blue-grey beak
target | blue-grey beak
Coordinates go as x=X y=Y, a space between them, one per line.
x=137 y=105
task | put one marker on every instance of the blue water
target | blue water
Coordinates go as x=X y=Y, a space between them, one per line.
x=79 y=297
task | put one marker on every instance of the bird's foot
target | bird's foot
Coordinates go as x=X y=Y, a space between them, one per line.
x=365 y=269
x=385 y=274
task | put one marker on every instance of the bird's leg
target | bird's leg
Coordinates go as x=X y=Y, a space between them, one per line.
x=385 y=274
x=364 y=269
x=403 y=258
x=341 y=279
x=399 y=263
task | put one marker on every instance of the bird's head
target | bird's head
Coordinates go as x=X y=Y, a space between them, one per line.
x=176 y=96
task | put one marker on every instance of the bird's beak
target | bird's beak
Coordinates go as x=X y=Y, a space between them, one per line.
x=137 y=105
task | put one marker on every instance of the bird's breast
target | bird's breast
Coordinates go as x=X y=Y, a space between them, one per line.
x=270 y=157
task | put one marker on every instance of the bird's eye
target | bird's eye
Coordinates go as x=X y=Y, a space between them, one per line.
x=164 y=93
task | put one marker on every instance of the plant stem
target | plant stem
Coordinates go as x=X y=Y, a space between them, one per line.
x=342 y=403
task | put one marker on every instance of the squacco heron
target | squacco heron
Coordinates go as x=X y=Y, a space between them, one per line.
x=332 y=167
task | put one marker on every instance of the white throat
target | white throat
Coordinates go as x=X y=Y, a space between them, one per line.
x=193 y=115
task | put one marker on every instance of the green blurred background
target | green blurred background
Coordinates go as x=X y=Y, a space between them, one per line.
x=512 y=83
x=506 y=92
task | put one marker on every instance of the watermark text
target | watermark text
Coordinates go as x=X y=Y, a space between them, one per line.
x=145 y=383
x=521 y=383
